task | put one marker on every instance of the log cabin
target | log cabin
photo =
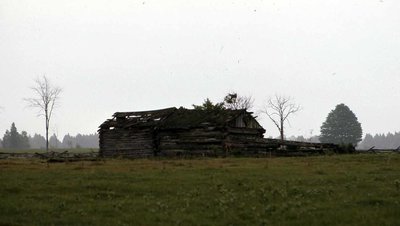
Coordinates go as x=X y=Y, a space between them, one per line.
x=180 y=131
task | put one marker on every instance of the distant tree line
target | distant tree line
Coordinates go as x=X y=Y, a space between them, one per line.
x=381 y=141
x=312 y=139
x=12 y=139
x=78 y=141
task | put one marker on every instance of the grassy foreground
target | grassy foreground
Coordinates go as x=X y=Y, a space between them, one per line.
x=326 y=190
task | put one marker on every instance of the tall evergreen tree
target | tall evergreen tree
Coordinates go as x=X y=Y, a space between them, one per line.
x=341 y=127
x=38 y=141
x=14 y=136
x=12 y=139
x=24 y=140
x=6 y=139
x=54 y=142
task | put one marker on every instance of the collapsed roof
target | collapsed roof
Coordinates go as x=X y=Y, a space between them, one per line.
x=172 y=118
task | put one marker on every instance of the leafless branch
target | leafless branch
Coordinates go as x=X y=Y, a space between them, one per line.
x=235 y=102
x=46 y=99
x=278 y=110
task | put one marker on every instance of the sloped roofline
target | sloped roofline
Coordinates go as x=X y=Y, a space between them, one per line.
x=163 y=115
x=134 y=113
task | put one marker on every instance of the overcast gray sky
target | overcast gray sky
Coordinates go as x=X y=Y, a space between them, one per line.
x=131 y=55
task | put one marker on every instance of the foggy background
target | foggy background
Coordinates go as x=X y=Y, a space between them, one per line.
x=110 y=56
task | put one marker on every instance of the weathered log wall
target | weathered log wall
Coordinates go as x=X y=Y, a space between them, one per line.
x=210 y=141
x=205 y=141
x=127 y=142
x=195 y=141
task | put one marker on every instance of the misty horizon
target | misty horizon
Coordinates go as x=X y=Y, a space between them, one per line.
x=147 y=55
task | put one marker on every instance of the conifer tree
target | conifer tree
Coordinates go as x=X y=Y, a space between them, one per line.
x=14 y=140
x=341 y=127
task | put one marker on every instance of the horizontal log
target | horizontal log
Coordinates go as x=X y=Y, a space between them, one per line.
x=244 y=131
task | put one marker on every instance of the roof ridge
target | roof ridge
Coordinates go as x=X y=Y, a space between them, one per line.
x=127 y=113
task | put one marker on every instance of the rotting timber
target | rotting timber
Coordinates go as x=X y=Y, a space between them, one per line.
x=189 y=132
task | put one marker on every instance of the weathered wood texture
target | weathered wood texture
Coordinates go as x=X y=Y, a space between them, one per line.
x=127 y=142
x=172 y=131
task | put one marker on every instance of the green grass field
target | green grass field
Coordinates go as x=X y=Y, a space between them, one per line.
x=327 y=190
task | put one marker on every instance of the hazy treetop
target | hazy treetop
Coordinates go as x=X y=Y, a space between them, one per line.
x=128 y=55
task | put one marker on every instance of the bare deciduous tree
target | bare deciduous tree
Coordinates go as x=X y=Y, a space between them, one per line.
x=278 y=109
x=46 y=99
x=235 y=102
